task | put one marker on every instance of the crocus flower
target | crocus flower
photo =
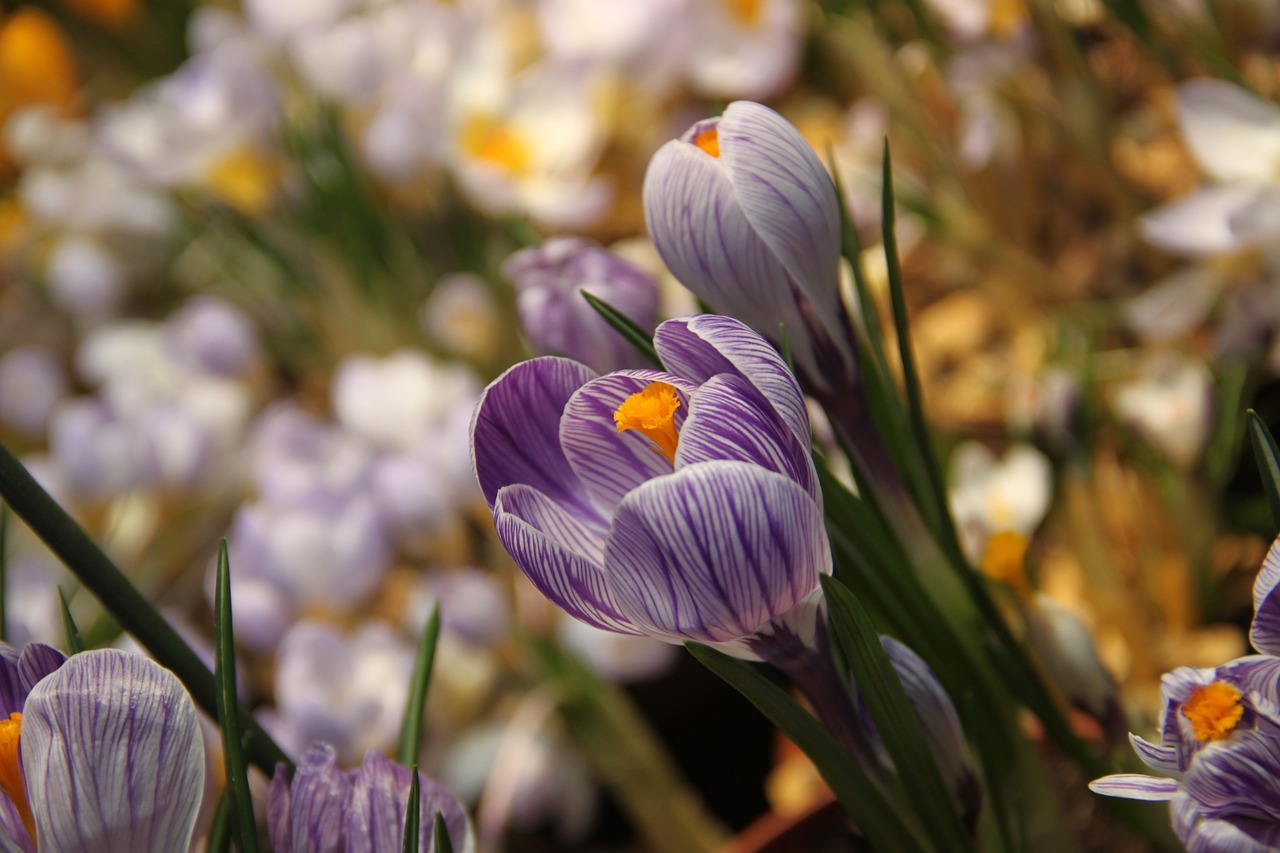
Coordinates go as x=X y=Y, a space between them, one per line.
x=1219 y=749
x=100 y=752
x=326 y=809
x=682 y=505
x=554 y=317
x=742 y=212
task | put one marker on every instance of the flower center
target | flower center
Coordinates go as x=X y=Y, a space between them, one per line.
x=1003 y=558
x=1214 y=710
x=746 y=11
x=708 y=141
x=11 y=771
x=494 y=142
x=652 y=412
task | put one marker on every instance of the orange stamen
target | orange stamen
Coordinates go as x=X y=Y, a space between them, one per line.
x=1004 y=559
x=709 y=141
x=1214 y=710
x=652 y=412
x=11 y=771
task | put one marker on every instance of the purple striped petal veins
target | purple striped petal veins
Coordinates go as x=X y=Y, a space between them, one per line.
x=328 y=810
x=744 y=215
x=682 y=505
x=112 y=756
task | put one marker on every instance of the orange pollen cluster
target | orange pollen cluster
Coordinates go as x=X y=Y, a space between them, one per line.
x=11 y=770
x=652 y=412
x=709 y=141
x=746 y=11
x=495 y=143
x=1214 y=710
x=1003 y=558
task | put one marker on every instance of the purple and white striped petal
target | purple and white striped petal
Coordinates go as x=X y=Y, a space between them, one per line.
x=1259 y=674
x=12 y=693
x=36 y=661
x=1237 y=779
x=515 y=431
x=308 y=815
x=379 y=799
x=714 y=551
x=1241 y=835
x=703 y=345
x=13 y=835
x=571 y=580
x=787 y=197
x=1162 y=759
x=730 y=419
x=1265 y=631
x=607 y=462
x=699 y=229
x=1135 y=786
x=113 y=756
x=941 y=724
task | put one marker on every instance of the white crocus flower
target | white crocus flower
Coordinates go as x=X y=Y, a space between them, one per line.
x=991 y=494
x=745 y=48
x=1169 y=403
x=528 y=144
x=1235 y=139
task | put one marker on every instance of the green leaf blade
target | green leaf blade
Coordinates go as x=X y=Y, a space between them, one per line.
x=412 y=835
x=75 y=643
x=411 y=724
x=440 y=835
x=624 y=326
x=874 y=813
x=224 y=669
x=895 y=717
x=1268 y=458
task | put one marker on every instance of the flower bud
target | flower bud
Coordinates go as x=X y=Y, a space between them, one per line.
x=743 y=213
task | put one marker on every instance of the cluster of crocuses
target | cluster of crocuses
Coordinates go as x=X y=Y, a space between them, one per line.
x=104 y=751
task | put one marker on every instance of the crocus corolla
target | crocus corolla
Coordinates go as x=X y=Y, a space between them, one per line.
x=682 y=505
x=326 y=809
x=1219 y=749
x=743 y=213
x=555 y=318
x=100 y=752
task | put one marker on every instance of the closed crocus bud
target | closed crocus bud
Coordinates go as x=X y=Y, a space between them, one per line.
x=743 y=213
x=557 y=320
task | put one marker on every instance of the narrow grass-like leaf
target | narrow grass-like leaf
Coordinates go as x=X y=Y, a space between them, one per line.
x=121 y=598
x=895 y=717
x=411 y=723
x=224 y=670
x=1267 y=456
x=876 y=815
x=75 y=643
x=440 y=834
x=933 y=498
x=412 y=839
x=219 y=839
x=624 y=326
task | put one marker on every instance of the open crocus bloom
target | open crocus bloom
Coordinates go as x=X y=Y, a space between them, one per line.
x=327 y=809
x=1219 y=750
x=682 y=505
x=105 y=748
